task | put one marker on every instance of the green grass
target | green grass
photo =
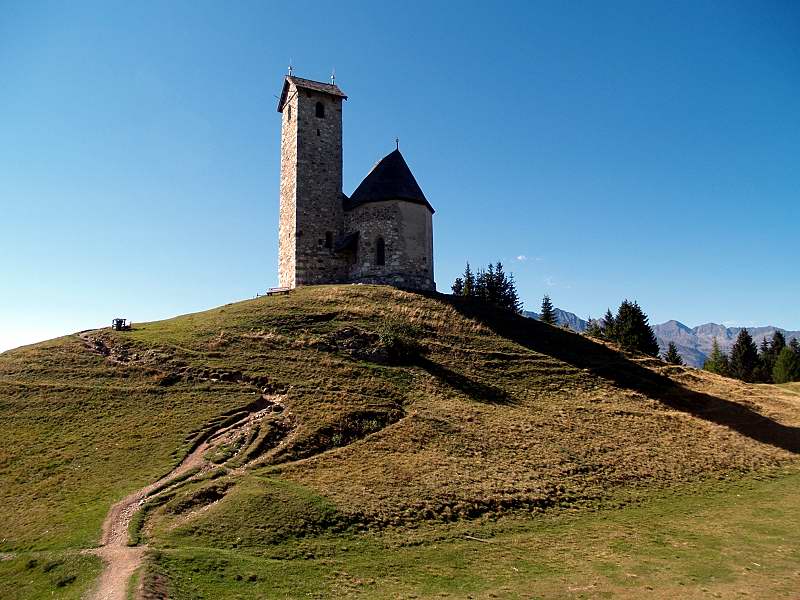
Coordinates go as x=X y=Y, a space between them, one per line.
x=47 y=575
x=732 y=539
x=258 y=513
x=467 y=415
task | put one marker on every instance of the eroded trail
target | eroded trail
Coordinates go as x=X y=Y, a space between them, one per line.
x=121 y=560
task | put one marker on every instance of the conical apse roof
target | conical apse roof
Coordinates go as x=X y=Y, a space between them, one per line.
x=390 y=179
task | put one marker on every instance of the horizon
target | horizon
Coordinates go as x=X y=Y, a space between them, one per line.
x=525 y=310
x=599 y=152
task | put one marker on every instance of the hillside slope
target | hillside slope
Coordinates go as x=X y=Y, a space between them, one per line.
x=363 y=408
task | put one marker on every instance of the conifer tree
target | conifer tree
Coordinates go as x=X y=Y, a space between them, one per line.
x=500 y=285
x=672 y=356
x=717 y=361
x=593 y=328
x=469 y=282
x=795 y=345
x=547 y=314
x=608 y=325
x=458 y=287
x=768 y=354
x=744 y=357
x=492 y=285
x=787 y=366
x=511 y=297
x=778 y=343
x=632 y=331
x=763 y=371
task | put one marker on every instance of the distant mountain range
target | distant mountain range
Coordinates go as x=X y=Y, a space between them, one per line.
x=563 y=317
x=693 y=343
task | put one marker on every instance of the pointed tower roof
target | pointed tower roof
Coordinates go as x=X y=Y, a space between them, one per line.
x=389 y=179
x=308 y=84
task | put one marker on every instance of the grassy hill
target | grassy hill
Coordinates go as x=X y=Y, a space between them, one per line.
x=382 y=436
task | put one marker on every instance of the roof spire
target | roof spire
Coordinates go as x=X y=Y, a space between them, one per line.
x=291 y=68
x=333 y=76
x=397 y=142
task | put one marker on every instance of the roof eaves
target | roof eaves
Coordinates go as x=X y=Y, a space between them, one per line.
x=308 y=84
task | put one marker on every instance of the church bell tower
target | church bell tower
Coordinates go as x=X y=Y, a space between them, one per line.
x=311 y=211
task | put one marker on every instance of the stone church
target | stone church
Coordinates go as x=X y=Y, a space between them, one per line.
x=381 y=233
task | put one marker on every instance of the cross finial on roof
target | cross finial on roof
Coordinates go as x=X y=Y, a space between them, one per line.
x=291 y=68
x=397 y=142
x=333 y=76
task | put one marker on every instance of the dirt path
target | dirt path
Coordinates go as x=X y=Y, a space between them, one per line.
x=122 y=560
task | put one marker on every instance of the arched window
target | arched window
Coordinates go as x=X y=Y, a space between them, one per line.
x=320 y=110
x=380 y=252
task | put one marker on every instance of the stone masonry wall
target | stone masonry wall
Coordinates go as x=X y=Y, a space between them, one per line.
x=407 y=230
x=287 y=225
x=311 y=190
x=312 y=214
x=319 y=189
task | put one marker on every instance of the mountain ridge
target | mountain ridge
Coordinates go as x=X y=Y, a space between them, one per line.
x=694 y=343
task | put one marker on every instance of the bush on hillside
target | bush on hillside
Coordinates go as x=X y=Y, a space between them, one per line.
x=400 y=340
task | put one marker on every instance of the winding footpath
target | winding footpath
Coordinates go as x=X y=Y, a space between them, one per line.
x=120 y=560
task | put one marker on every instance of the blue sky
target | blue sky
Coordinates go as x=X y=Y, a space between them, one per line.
x=601 y=150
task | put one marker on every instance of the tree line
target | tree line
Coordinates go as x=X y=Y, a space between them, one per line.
x=629 y=328
x=492 y=285
x=774 y=362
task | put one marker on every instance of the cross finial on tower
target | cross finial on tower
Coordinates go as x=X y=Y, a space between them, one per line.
x=291 y=68
x=333 y=76
x=397 y=142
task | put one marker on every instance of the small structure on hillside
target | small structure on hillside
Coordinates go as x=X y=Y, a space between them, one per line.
x=382 y=233
x=120 y=324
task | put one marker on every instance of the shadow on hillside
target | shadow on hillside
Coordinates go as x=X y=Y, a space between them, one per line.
x=482 y=392
x=611 y=365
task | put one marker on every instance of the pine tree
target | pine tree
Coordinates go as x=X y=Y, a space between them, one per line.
x=593 y=328
x=458 y=287
x=768 y=354
x=608 y=326
x=787 y=366
x=717 y=361
x=547 y=314
x=511 y=297
x=500 y=285
x=632 y=331
x=763 y=371
x=778 y=343
x=469 y=282
x=744 y=357
x=672 y=356
x=795 y=346
x=492 y=285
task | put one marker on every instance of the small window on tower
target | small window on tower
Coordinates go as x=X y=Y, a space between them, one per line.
x=320 y=110
x=289 y=114
x=380 y=254
x=328 y=239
